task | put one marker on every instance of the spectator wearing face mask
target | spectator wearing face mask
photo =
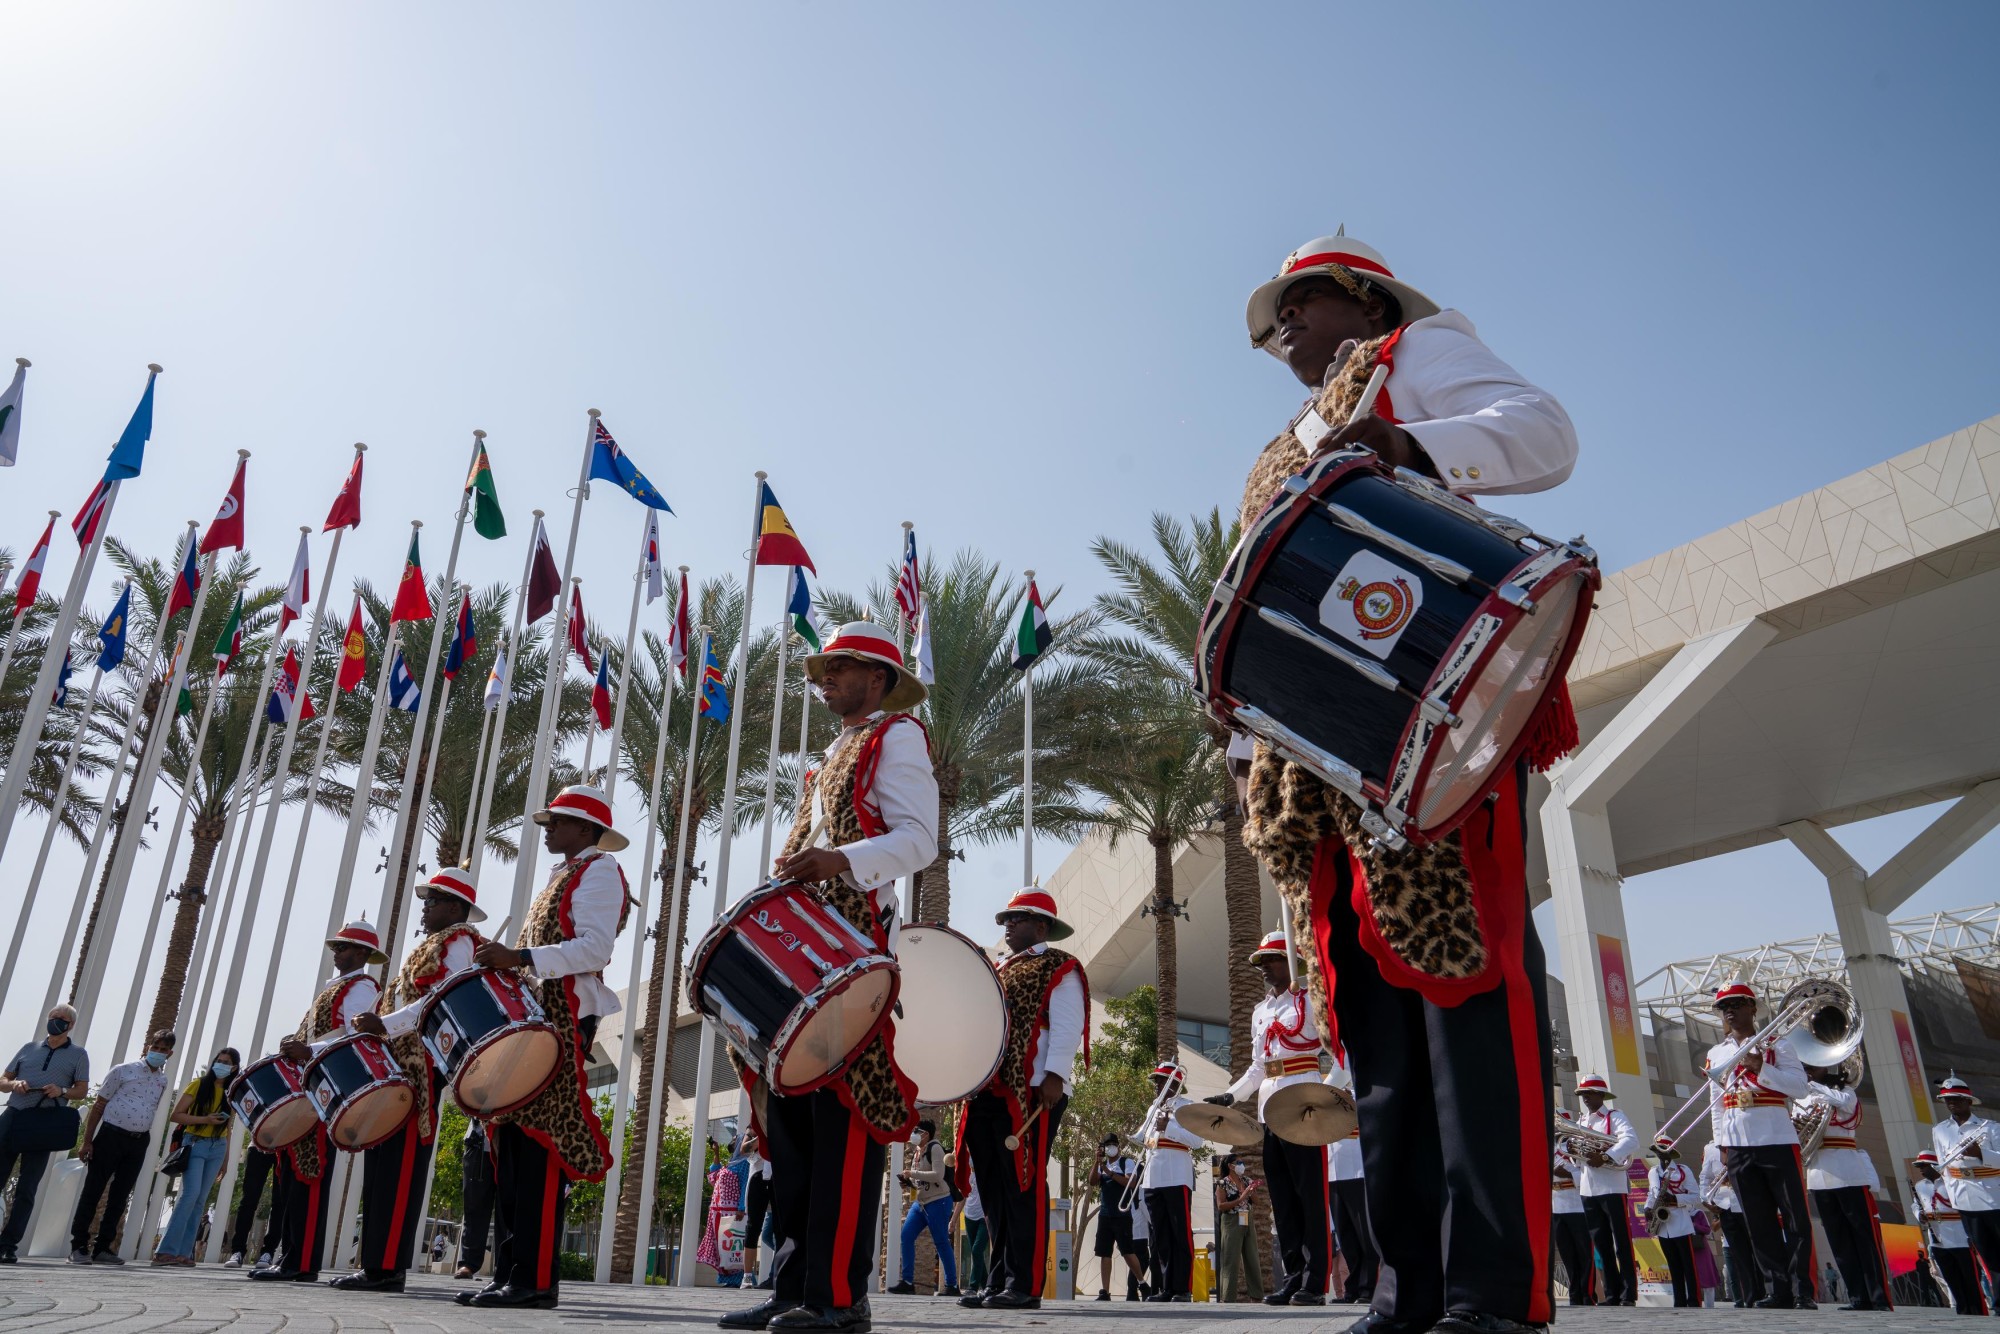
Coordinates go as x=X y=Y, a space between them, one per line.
x=45 y=1073
x=203 y=1119
x=116 y=1131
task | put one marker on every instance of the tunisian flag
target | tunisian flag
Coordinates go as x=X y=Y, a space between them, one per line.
x=226 y=530
x=353 y=651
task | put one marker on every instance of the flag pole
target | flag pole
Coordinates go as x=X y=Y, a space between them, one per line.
x=538 y=771
x=625 y=676
x=14 y=624
x=621 y=1097
x=479 y=763
x=777 y=741
x=516 y=640
x=395 y=948
x=37 y=711
x=1028 y=767
x=661 y=1040
x=54 y=823
x=704 y=1073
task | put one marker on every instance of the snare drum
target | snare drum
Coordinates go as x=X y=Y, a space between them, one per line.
x=1392 y=638
x=270 y=1096
x=954 y=1025
x=360 y=1090
x=793 y=986
x=490 y=1039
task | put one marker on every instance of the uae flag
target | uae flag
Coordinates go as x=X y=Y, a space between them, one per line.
x=230 y=642
x=30 y=585
x=1032 y=639
x=413 y=603
x=297 y=589
x=544 y=579
x=487 y=520
x=353 y=651
x=225 y=531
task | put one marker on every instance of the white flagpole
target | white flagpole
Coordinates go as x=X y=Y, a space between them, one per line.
x=704 y=1074
x=479 y=763
x=1028 y=768
x=538 y=771
x=662 y=1041
x=777 y=740
x=624 y=679
x=621 y=1095
x=39 y=698
x=515 y=641
x=14 y=622
x=54 y=823
x=394 y=948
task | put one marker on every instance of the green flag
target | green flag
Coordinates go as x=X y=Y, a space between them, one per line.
x=1031 y=639
x=487 y=520
x=230 y=642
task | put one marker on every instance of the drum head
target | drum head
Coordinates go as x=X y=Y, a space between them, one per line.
x=371 y=1117
x=953 y=1027
x=508 y=1070
x=286 y=1124
x=840 y=1022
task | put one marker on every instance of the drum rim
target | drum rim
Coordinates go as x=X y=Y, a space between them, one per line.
x=451 y=981
x=270 y=1107
x=833 y=984
x=1006 y=1019
x=347 y=1104
x=493 y=1035
x=704 y=950
x=344 y=1041
x=273 y=1060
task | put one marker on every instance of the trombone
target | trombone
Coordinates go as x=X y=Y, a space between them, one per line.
x=1816 y=1018
x=1155 y=1115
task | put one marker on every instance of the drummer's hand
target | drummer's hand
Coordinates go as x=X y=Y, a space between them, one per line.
x=1396 y=446
x=298 y=1053
x=1221 y=1099
x=1050 y=1091
x=813 y=864
x=370 y=1024
x=493 y=954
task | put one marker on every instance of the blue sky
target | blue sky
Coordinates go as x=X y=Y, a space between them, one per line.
x=979 y=268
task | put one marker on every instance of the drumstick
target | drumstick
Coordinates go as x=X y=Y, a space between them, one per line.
x=505 y=922
x=1366 y=404
x=1013 y=1142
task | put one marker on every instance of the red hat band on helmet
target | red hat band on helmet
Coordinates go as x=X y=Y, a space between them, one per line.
x=1345 y=259
x=590 y=808
x=1736 y=991
x=852 y=643
x=1927 y=1157
x=1033 y=901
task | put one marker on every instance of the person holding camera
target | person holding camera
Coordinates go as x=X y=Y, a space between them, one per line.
x=40 y=1082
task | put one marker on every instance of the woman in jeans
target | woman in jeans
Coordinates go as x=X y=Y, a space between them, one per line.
x=1233 y=1188
x=928 y=1181
x=204 y=1121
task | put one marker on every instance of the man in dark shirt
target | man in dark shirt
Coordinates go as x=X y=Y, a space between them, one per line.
x=46 y=1073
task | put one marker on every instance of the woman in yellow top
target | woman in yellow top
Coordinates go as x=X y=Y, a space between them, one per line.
x=203 y=1118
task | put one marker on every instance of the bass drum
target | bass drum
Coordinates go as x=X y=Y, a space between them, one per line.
x=953 y=1027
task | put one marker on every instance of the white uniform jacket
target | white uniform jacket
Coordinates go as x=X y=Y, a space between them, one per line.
x=1171 y=1162
x=1062 y=1026
x=457 y=955
x=1564 y=1197
x=1755 y=1108
x=1683 y=1192
x=1974 y=1182
x=904 y=791
x=1841 y=1161
x=1716 y=1187
x=360 y=999
x=1343 y=1156
x=596 y=901
x=1284 y=1048
x=1940 y=1215
x=1593 y=1181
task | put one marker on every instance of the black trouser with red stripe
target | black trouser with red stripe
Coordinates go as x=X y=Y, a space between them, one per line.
x=1357 y=1247
x=1611 y=1238
x=1850 y=1235
x=1301 y=1211
x=1962 y=1277
x=826 y=1190
x=530 y=1187
x=1017 y=1220
x=302 y=1204
x=1573 y=1245
x=1680 y=1269
x=392 y=1187
x=1172 y=1229
x=1772 y=1188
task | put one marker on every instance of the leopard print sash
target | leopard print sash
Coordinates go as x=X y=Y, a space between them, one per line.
x=1026 y=982
x=423 y=970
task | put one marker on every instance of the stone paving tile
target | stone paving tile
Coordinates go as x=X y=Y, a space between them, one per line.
x=49 y=1297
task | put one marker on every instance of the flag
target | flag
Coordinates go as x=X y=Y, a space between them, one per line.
x=230 y=642
x=608 y=462
x=111 y=635
x=129 y=454
x=777 y=544
x=298 y=590
x=600 y=693
x=577 y=638
x=10 y=415
x=62 y=683
x=1032 y=639
x=188 y=582
x=544 y=580
x=656 y=584
x=84 y=525
x=353 y=651
x=284 y=687
x=487 y=520
x=799 y=606
x=30 y=584
x=413 y=603
x=496 y=680
x=909 y=583
x=226 y=529
x=403 y=691
x=346 y=511
x=921 y=649
x=677 y=636
x=714 y=691
x=464 y=641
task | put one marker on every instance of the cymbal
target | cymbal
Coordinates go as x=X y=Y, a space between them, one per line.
x=1221 y=1125
x=1310 y=1114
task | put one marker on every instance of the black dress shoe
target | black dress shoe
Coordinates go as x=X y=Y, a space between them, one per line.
x=525 y=1299
x=1282 y=1297
x=1773 y=1304
x=274 y=1275
x=757 y=1317
x=1374 y=1322
x=1009 y=1300
x=363 y=1281
x=1806 y=1304
x=973 y=1298
x=853 y=1319
x=465 y=1298
x=1479 y=1322
x=1308 y=1299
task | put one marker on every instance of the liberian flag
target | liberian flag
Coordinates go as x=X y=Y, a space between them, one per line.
x=577 y=639
x=656 y=584
x=1032 y=639
x=188 y=582
x=496 y=680
x=677 y=636
x=30 y=585
x=600 y=694
x=353 y=651
x=84 y=525
x=464 y=641
x=777 y=544
x=297 y=590
x=403 y=691
x=544 y=580
x=226 y=529
x=285 y=688
x=910 y=583
x=412 y=602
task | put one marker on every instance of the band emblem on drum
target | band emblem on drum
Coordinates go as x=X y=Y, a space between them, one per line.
x=762 y=917
x=447 y=1038
x=1372 y=602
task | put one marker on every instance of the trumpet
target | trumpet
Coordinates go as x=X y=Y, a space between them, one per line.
x=1817 y=1019
x=1148 y=1126
x=1965 y=1142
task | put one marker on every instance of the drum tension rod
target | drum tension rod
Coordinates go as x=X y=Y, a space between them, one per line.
x=1375 y=673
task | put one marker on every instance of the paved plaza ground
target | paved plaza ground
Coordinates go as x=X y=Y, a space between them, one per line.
x=49 y=1297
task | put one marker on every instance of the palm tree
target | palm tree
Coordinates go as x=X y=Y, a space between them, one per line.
x=60 y=730
x=974 y=714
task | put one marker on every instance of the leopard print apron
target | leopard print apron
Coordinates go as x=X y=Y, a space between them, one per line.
x=423 y=970
x=562 y=1116
x=1027 y=980
x=322 y=1019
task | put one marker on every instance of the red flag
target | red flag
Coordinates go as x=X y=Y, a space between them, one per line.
x=677 y=638
x=576 y=636
x=413 y=603
x=31 y=573
x=346 y=511
x=544 y=580
x=600 y=694
x=354 y=651
x=226 y=530
x=188 y=582
x=84 y=525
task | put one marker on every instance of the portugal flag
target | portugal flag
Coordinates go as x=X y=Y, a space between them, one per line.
x=413 y=603
x=1031 y=640
x=353 y=651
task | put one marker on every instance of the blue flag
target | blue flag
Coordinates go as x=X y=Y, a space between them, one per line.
x=403 y=692
x=609 y=463
x=112 y=633
x=714 y=692
x=62 y=684
x=129 y=454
